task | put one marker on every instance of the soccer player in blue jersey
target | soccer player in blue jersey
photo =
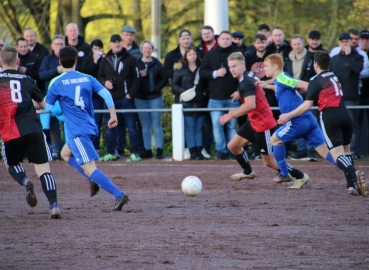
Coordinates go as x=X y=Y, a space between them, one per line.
x=74 y=92
x=303 y=126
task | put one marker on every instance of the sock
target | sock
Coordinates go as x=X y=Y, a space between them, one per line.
x=18 y=174
x=295 y=172
x=330 y=159
x=72 y=162
x=105 y=183
x=49 y=187
x=243 y=160
x=345 y=165
x=280 y=157
x=351 y=159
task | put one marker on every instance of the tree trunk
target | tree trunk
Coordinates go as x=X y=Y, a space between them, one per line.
x=137 y=22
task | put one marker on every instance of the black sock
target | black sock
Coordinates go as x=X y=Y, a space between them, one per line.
x=243 y=160
x=344 y=164
x=18 y=174
x=351 y=159
x=49 y=187
x=295 y=172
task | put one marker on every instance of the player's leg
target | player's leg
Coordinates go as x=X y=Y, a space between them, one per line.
x=280 y=156
x=235 y=146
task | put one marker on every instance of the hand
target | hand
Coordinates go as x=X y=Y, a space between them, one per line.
x=59 y=69
x=96 y=56
x=224 y=119
x=235 y=96
x=263 y=84
x=283 y=118
x=113 y=122
x=128 y=96
x=143 y=72
x=270 y=40
x=221 y=72
x=22 y=69
x=108 y=85
x=347 y=50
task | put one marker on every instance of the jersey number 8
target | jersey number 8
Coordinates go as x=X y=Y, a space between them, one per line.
x=15 y=88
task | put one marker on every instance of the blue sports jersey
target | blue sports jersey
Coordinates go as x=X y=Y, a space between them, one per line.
x=288 y=98
x=74 y=91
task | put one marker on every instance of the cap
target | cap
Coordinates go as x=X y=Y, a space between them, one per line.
x=314 y=34
x=364 y=34
x=128 y=28
x=264 y=26
x=115 y=38
x=344 y=35
x=184 y=32
x=97 y=42
x=237 y=35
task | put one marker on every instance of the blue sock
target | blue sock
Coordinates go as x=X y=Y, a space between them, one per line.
x=280 y=157
x=72 y=162
x=105 y=183
x=330 y=159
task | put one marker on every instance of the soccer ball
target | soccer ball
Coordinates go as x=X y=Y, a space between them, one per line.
x=191 y=185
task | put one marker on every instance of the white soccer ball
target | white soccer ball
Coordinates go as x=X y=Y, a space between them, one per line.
x=191 y=185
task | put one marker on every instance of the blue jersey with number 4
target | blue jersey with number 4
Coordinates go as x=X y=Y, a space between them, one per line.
x=74 y=92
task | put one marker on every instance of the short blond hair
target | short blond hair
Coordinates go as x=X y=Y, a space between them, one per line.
x=236 y=56
x=9 y=56
x=275 y=58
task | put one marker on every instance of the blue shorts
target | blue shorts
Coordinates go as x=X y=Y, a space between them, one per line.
x=301 y=127
x=83 y=148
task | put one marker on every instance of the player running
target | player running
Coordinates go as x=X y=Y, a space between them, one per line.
x=304 y=126
x=21 y=130
x=74 y=92
x=260 y=125
x=326 y=89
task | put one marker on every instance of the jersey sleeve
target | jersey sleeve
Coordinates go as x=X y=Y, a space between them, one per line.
x=246 y=88
x=36 y=93
x=284 y=79
x=96 y=85
x=51 y=96
x=314 y=89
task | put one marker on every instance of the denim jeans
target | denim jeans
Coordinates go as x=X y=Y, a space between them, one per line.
x=149 y=119
x=98 y=105
x=221 y=136
x=55 y=134
x=303 y=146
x=193 y=130
x=130 y=120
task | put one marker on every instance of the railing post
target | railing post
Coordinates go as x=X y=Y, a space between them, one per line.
x=177 y=132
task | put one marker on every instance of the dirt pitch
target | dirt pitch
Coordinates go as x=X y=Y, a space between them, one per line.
x=252 y=224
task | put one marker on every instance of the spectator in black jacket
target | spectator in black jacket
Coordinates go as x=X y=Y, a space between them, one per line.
x=90 y=65
x=72 y=38
x=263 y=29
x=119 y=73
x=314 y=42
x=128 y=36
x=149 y=96
x=208 y=40
x=172 y=57
x=222 y=90
x=38 y=49
x=237 y=38
x=185 y=76
x=29 y=63
x=279 y=44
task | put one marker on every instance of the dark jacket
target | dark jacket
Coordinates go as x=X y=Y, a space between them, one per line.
x=31 y=62
x=91 y=68
x=307 y=70
x=153 y=82
x=183 y=79
x=364 y=92
x=122 y=71
x=284 y=50
x=319 y=48
x=135 y=51
x=171 y=58
x=201 y=48
x=83 y=50
x=347 y=69
x=220 y=88
x=40 y=51
x=48 y=69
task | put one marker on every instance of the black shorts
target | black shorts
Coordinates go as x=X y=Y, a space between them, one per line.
x=262 y=139
x=33 y=146
x=337 y=126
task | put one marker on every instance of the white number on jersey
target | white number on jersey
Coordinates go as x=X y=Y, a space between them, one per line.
x=78 y=100
x=337 y=88
x=15 y=87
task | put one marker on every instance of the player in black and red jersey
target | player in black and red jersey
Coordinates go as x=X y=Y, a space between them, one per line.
x=21 y=130
x=260 y=125
x=335 y=120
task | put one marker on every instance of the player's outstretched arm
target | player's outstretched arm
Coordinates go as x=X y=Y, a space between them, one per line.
x=304 y=107
x=39 y=105
x=113 y=122
x=302 y=85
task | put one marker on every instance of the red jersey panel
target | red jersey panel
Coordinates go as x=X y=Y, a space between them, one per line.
x=326 y=89
x=17 y=114
x=261 y=118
